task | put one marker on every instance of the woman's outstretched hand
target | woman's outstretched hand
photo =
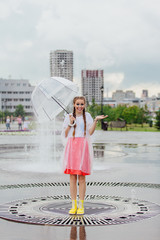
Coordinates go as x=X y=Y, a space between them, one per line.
x=100 y=117
x=92 y=128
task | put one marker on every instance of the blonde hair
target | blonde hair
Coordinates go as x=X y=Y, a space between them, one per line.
x=84 y=115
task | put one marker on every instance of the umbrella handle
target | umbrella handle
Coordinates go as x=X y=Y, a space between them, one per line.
x=59 y=104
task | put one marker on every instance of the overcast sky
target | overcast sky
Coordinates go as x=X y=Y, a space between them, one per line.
x=122 y=37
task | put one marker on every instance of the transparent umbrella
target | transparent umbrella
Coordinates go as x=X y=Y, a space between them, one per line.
x=52 y=96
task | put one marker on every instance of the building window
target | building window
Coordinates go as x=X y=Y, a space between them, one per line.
x=18 y=84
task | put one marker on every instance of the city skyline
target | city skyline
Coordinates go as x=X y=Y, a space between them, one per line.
x=120 y=37
x=18 y=91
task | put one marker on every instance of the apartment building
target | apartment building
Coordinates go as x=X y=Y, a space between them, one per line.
x=92 y=84
x=14 y=92
x=61 y=64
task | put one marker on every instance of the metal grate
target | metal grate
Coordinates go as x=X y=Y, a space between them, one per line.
x=62 y=184
x=99 y=210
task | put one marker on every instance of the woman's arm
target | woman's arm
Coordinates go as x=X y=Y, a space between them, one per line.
x=93 y=127
x=72 y=120
x=67 y=131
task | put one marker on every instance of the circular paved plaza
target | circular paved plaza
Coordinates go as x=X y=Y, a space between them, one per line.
x=122 y=198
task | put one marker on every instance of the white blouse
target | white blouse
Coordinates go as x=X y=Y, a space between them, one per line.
x=79 y=131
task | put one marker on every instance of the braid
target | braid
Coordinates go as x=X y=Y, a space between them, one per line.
x=74 y=115
x=84 y=115
x=84 y=118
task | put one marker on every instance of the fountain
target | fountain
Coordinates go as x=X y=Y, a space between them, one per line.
x=118 y=192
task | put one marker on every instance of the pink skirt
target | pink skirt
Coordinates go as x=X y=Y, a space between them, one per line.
x=77 y=158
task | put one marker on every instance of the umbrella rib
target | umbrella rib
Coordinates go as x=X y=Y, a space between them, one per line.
x=46 y=114
x=34 y=109
x=65 y=85
x=59 y=104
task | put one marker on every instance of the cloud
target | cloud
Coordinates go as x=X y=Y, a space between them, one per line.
x=98 y=55
x=19 y=47
x=117 y=36
x=9 y=7
x=112 y=81
x=115 y=81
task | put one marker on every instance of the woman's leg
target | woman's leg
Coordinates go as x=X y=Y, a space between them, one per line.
x=82 y=187
x=82 y=191
x=73 y=186
x=73 y=192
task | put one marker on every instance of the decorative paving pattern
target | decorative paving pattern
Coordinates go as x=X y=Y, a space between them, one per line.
x=62 y=184
x=99 y=210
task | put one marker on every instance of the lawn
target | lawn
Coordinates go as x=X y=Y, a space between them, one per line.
x=133 y=127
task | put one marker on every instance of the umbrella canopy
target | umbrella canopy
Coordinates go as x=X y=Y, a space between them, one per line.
x=52 y=96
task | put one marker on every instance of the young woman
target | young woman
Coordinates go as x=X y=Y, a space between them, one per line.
x=78 y=155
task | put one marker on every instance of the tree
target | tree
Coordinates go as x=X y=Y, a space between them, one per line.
x=93 y=109
x=157 y=124
x=119 y=111
x=142 y=116
x=1 y=116
x=108 y=110
x=19 y=111
x=130 y=114
x=4 y=114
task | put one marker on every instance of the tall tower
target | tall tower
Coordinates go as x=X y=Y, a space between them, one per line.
x=92 y=83
x=61 y=64
x=144 y=93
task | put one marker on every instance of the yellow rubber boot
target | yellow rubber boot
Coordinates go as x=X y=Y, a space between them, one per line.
x=73 y=210
x=80 y=210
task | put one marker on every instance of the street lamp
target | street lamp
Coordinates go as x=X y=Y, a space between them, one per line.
x=102 y=90
x=86 y=97
x=5 y=102
x=2 y=110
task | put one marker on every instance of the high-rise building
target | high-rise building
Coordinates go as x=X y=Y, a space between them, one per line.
x=61 y=64
x=92 y=83
x=144 y=93
x=129 y=94
x=118 y=95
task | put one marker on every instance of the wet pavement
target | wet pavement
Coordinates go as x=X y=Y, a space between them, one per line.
x=126 y=166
